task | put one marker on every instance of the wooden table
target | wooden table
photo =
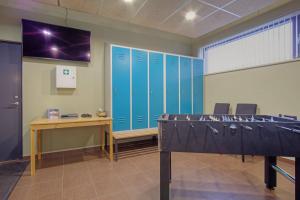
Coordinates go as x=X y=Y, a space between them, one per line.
x=43 y=124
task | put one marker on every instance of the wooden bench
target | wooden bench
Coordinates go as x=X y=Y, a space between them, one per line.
x=117 y=137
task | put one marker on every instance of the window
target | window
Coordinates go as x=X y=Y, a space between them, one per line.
x=274 y=42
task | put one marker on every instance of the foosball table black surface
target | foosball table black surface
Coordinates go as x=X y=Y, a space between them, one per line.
x=262 y=135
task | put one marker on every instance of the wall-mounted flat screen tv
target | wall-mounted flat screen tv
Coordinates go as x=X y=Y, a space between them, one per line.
x=55 y=42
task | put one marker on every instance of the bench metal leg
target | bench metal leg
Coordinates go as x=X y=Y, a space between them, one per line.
x=154 y=139
x=105 y=141
x=116 y=150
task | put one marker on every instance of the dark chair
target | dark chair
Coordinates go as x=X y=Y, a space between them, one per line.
x=245 y=109
x=221 y=109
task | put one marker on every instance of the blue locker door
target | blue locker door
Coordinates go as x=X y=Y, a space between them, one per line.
x=139 y=89
x=172 y=84
x=198 y=86
x=156 y=68
x=121 y=88
x=185 y=85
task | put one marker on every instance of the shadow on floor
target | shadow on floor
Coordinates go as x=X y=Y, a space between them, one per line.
x=10 y=173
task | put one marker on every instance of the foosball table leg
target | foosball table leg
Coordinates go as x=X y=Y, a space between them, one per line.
x=297 y=178
x=170 y=167
x=270 y=173
x=164 y=175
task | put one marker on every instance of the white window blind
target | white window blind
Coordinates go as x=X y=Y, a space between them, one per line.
x=265 y=45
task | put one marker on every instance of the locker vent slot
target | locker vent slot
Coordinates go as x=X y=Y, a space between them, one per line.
x=121 y=56
x=140 y=118
x=121 y=120
x=156 y=117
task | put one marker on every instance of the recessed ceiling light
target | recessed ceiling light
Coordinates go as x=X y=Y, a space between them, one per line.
x=191 y=15
x=128 y=1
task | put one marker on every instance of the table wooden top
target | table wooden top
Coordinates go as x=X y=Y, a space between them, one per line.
x=68 y=120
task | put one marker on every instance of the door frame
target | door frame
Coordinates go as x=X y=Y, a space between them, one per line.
x=20 y=124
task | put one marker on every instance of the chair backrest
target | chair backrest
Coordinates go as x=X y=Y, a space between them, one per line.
x=246 y=109
x=221 y=108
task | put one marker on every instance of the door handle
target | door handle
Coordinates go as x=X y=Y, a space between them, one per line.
x=12 y=105
x=15 y=103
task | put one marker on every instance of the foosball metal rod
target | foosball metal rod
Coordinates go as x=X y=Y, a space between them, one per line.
x=283 y=173
x=297 y=178
x=289 y=129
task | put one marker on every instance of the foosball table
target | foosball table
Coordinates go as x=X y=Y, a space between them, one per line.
x=262 y=135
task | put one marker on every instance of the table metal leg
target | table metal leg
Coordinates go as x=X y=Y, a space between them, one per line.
x=164 y=175
x=32 y=153
x=297 y=178
x=270 y=173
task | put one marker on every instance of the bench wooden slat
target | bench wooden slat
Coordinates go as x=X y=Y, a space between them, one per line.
x=134 y=134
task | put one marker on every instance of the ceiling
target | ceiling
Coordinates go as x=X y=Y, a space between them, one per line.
x=168 y=15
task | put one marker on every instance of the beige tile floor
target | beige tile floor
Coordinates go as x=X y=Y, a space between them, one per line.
x=85 y=175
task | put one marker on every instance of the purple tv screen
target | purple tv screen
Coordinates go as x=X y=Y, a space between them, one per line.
x=55 y=42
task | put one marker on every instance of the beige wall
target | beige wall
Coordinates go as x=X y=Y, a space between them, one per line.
x=39 y=92
x=274 y=88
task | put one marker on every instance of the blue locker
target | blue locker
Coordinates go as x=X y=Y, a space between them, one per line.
x=198 y=86
x=139 y=89
x=156 y=78
x=121 y=88
x=172 y=84
x=185 y=85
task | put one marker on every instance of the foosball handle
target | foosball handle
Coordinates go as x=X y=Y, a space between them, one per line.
x=296 y=130
x=224 y=128
x=247 y=127
x=233 y=129
x=215 y=131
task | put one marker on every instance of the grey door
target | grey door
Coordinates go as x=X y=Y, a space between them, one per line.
x=10 y=101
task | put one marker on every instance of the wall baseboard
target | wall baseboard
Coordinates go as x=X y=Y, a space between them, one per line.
x=122 y=144
x=286 y=160
x=27 y=157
